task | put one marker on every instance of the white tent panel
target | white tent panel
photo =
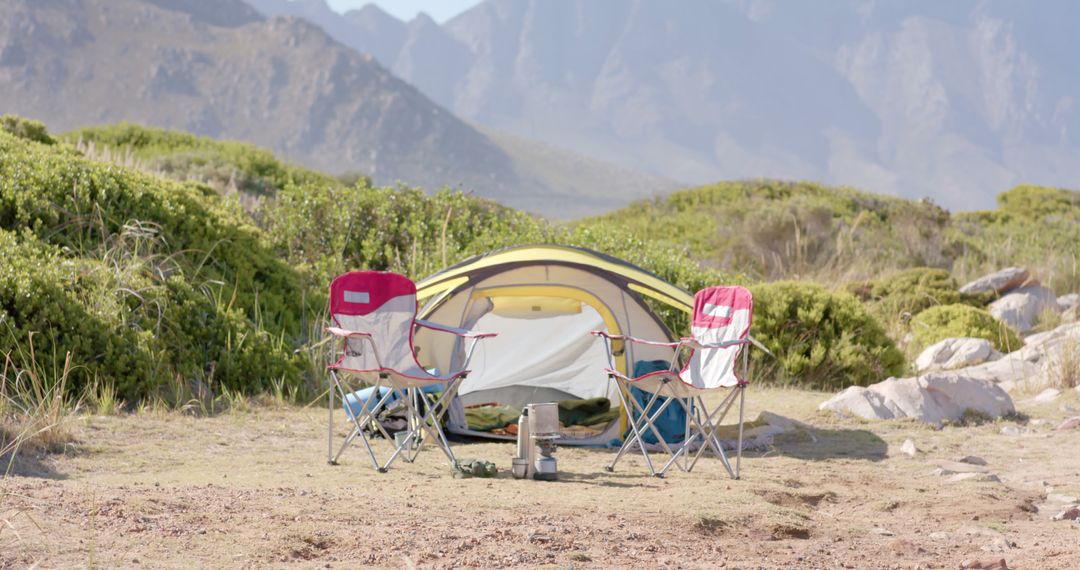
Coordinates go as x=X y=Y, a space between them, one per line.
x=554 y=352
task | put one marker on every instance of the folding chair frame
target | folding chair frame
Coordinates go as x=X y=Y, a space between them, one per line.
x=429 y=423
x=700 y=423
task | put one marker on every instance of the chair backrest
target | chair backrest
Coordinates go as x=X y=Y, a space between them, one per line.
x=382 y=304
x=721 y=314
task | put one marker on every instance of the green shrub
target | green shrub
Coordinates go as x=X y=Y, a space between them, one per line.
x=908 y=292
x=821 y=339
x=25 y=129
x=184 y=156
x=43 y=308
x=78 y=204
x=945 y=321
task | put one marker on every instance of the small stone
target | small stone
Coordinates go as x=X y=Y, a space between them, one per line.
x=1070 y=514
x=973 y=460
x=976 y=477
x=908 y=448
x=1010 y=430
x=998 y=544
x=950 y=467
x=882 y=531
x=989 y=564
x=1048 y=395
x=1071 y=423
x=903 y=547
x=939 y=535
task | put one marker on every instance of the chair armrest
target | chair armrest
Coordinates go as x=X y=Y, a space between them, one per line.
x=346 y=333
x=693 y=343
x=605 y=334
x=453 y=330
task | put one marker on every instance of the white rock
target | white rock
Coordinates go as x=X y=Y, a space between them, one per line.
x=1071 y=315
x=999 y=281
x=1020 y=307
x=1069 y=301
x=1047 y=395
x=977 y=477
x=953 y=353
x=1011 y=430
x=931 y=398
x=908 y=448
x=972 y=459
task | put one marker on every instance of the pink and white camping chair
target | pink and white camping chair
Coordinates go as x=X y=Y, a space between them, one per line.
x=720 y=334
x=374 y=314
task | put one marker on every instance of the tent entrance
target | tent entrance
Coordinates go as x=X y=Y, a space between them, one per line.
x=544 y=352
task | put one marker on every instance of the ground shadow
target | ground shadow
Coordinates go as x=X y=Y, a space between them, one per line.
x=28 y=464
x=817 y=444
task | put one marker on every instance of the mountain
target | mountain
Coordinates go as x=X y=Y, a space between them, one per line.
x=955 y=101
x=219 y=68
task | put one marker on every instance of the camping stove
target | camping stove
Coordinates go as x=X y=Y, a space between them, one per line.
x=538 y=429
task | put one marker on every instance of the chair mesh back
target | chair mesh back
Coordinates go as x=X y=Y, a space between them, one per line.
x=382 y=304
x=720 y=314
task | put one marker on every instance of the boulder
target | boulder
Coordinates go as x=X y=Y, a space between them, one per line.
x=932 y=398
x=1020 y=307
x=1048 y=395
x=998 y=282
x=953 y=353
x=1071 y=315
x=1069 y=301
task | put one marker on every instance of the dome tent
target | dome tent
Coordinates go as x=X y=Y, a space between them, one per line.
x=543 y=301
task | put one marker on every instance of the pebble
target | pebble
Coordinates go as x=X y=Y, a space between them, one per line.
x=1071 y=423
x=988 y=564
x=972 y=460
x=1048 y=395
x=1011 y=430
x=976 y=477
x=1072 y=513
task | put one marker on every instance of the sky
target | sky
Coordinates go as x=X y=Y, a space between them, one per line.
x=439 y=10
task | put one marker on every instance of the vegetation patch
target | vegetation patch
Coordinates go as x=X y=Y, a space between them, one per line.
x=947 y=321
x=821 y=339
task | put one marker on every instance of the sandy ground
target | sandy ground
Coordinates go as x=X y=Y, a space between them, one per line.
x=253 y=490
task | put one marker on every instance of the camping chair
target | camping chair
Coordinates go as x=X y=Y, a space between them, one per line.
x=374 y=314
x=720 y=327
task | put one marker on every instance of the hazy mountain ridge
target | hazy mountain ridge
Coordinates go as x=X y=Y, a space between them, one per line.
x=956 y=101
x=220 y=69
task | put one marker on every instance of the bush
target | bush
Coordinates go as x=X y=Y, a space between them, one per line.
x=184 y=156
x=25 y=129
x=821 y=339
x=78 y=204
x=906 y=293
x=946 y=321
x=126 y=329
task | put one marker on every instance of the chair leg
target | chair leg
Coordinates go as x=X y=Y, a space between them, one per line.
x=330 y=420
x=738 y=457
x=419 y=423
x=367 y=414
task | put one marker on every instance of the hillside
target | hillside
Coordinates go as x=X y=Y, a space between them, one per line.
x=222 y=70
x=954 y=101
x=778 y=230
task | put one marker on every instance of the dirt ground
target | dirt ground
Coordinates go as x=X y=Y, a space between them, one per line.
x=253 y=489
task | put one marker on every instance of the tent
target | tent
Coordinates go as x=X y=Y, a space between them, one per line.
x=543 y=301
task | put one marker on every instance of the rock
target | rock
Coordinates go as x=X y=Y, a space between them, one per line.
x=1069 y=301
x=1011 y=430
x=999 y=281
x=1071 y=315
x=1071 y=423
x=988 y=564
x=1047 y=395
x=974 y=477
x=882 y=531
x=1070 y=514
x=998 y=544
x=953 y=353
x=950 y=467
x=902 y=547
x=1020 y=308
x=908 y=448
x=932 y=398
x=972 y=460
